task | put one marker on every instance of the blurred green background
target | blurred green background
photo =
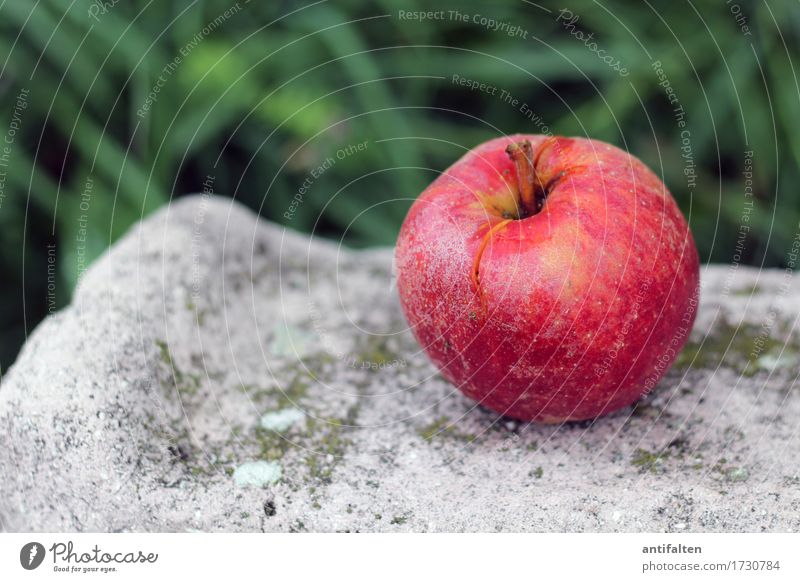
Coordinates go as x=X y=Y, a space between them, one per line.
x=261 y=95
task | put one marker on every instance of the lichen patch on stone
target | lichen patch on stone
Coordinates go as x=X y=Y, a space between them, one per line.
x=282 y=420
x=257 y=474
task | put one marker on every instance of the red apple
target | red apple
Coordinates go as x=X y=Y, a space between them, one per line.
x=549 y=278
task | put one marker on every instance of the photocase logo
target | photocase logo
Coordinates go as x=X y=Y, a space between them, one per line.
x=31 y=555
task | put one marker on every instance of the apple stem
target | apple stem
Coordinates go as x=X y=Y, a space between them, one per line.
x=531 y=190
x=522 y=155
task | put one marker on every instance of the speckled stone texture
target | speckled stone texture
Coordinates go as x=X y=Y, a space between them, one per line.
x=215 y=372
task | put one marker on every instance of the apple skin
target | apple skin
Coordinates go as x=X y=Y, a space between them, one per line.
x=567 y=314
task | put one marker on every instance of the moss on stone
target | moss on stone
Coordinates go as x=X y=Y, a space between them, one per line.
x=375 y=352
x=648 y=461
x=399 y=520
x=273 y=446
x=199 y=314
x=438 y=426
x=643 y=409
x=327 y=446
x=747 y=291
x=188 y=384
x=315 y=447
x=737 y=347
x=443 y=427
x=377 y=355
x=293 y=392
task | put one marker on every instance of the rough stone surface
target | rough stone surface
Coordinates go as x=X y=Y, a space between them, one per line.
x=132 y=409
